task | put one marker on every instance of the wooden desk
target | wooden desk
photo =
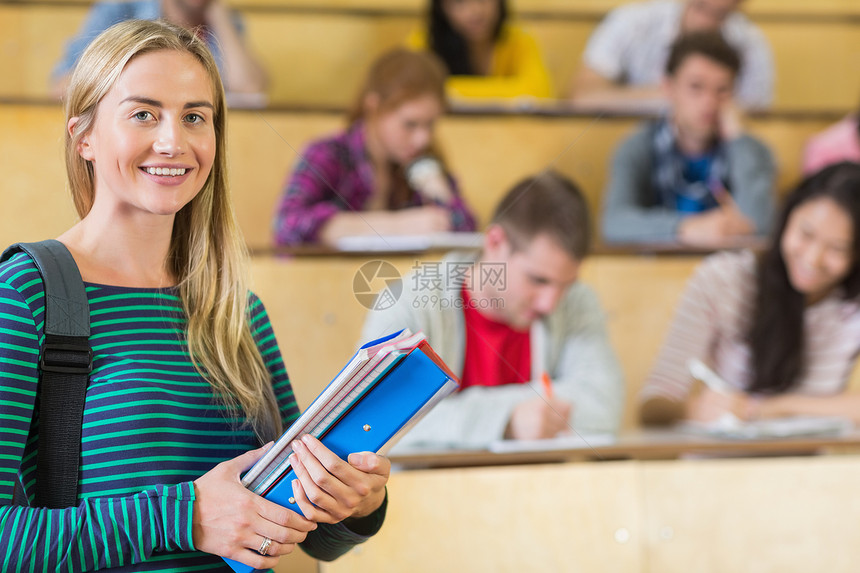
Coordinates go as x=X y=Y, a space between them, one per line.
x=634 y=444
x=782 y=515
x=488 y=153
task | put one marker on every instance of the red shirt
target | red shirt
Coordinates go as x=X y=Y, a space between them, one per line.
x=496 y=354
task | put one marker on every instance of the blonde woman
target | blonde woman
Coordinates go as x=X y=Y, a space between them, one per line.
x=187 y=378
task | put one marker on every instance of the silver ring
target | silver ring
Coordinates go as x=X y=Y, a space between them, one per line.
x=264 y=546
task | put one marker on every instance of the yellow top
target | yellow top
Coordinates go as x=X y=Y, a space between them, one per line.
x=517 y=68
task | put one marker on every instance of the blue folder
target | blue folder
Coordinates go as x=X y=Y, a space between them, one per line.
x=373 y=420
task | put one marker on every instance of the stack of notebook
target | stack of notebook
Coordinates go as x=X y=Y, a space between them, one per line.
x=387 y=386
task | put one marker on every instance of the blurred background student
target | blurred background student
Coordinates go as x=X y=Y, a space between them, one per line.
x=366 y=180
x=506 y=316
x=211 y=20
x=486 y=56
x=782 y=328
x=695 y=175
x=627 y=52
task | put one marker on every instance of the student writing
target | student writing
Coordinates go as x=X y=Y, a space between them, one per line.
x=783 y=327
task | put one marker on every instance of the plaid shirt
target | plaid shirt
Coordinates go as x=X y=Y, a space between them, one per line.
x=333 y=175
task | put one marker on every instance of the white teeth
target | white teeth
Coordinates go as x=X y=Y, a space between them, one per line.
x=165 y=171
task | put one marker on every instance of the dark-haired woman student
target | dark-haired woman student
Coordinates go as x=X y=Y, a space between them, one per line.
x=782 y=328
x=486 y=56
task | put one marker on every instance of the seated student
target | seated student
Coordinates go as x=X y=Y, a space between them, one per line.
x=627 y=52
x=507 y=315
x=486 y=56
x=783 y=328
x=693 y=176
x=212 y=20
x=365 y=180
x=839 y=142
x=187 y=380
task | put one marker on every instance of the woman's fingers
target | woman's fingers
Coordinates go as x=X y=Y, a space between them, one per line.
x=280 y=517
x=318 y=487
x=230 y=521
x=338 y=488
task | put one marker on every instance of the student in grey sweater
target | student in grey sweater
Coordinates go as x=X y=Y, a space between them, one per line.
x=506 y=316
x=692 y=176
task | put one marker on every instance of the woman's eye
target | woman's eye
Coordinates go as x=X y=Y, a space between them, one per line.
x=193 y=118
x=143 y=115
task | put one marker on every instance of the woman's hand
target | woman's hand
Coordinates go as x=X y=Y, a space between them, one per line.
x=230 y=521
x=328 y=489
x=709 y=406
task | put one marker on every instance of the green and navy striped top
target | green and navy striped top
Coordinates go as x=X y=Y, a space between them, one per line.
x=151 y=426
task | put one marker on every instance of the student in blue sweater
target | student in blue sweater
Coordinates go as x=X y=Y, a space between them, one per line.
x=694 y=175
x=187 y=379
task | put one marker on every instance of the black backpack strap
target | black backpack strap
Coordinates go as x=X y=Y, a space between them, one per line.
x=65 y=362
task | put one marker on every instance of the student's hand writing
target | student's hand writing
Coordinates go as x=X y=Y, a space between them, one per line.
x=709 y=406
x=539 y=418
x=328 y=489
x=716 y=226
x=230 y=521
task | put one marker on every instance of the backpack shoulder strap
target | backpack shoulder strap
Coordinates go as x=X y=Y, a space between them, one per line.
x=65 y=362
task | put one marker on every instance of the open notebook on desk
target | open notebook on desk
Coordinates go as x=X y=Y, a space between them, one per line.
x=732 y=428
x=389 y=243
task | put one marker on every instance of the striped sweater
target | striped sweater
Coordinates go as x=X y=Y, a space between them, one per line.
x=151 y=425
x=712 y=321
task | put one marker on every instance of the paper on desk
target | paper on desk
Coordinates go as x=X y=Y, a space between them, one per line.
x=372 y=243
x=731 y=427
x=567 y=442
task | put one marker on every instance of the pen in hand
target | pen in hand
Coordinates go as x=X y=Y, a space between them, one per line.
x=708 y=377
x=547 y=386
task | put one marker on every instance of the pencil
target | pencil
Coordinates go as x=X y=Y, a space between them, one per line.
x=547 y=386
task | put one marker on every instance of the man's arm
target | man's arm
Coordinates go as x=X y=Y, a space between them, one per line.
x=242 y=72
x=470 y=419
x=588 y=373
x=102 y=15
x=752 y=174
x=600 y=81
x=625 y=215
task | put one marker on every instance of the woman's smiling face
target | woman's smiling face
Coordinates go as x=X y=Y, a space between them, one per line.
x=817 y=247
x=152 y=144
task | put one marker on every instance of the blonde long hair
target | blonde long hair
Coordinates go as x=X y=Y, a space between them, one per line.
x=207 y=251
